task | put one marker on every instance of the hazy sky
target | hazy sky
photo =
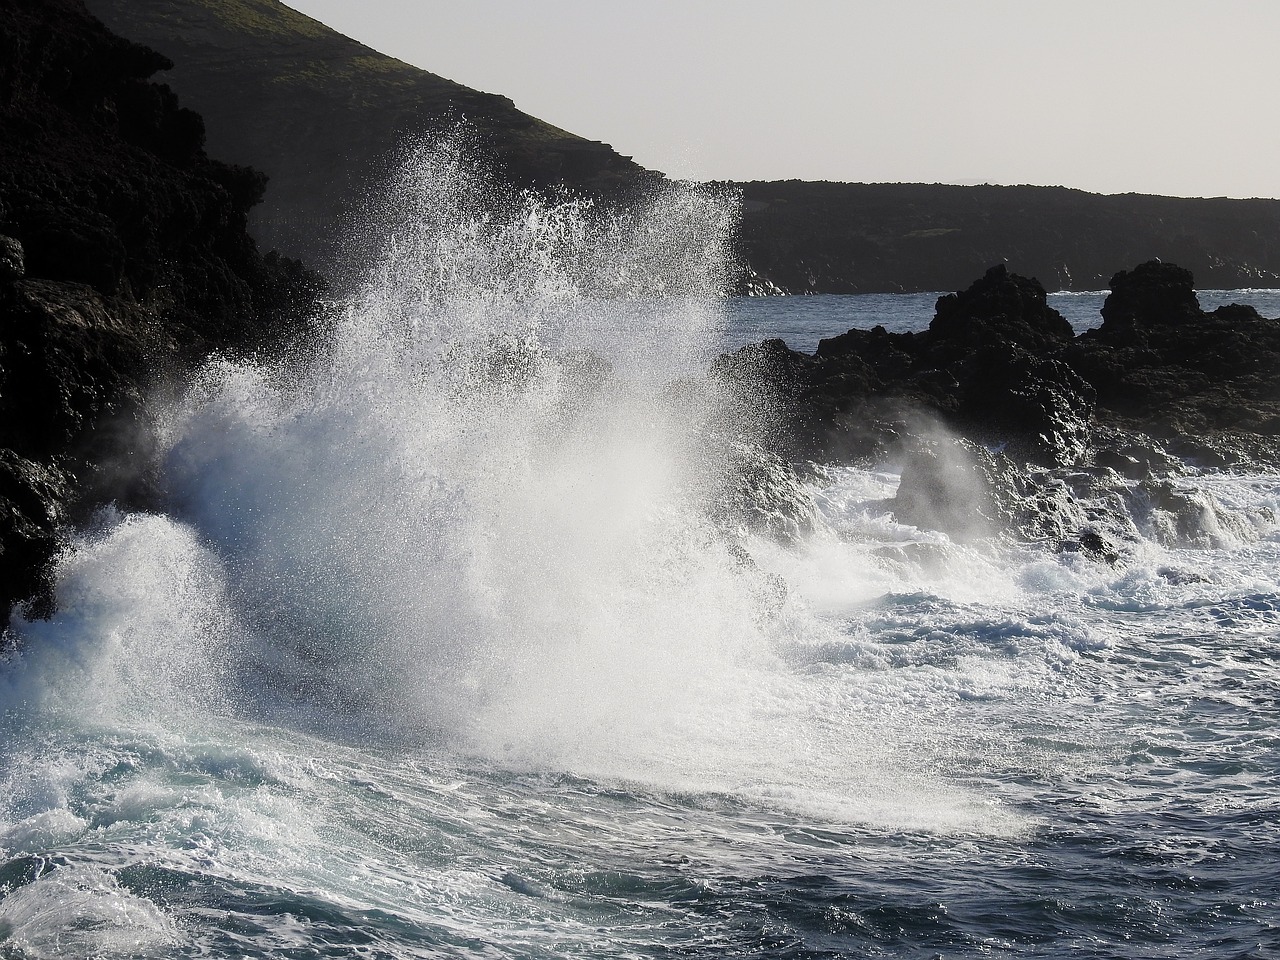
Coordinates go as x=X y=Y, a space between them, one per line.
x=1156 y=96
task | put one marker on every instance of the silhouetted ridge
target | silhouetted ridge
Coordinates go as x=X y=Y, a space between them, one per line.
x=900 y=237
x=326 y=116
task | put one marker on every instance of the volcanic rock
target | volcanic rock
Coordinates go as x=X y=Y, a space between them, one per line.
x=984 y=368
x=999 y=309
x=957 y=487
x=13 y=261
x=1164 y=367
x=1005 y=423
x=124 y=260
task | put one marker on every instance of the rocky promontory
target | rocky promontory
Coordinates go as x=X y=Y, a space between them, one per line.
x=124 y=261
x=325 y=115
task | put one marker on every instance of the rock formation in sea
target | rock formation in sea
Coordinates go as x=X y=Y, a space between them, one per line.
x=1004 y=421
x=124 y=260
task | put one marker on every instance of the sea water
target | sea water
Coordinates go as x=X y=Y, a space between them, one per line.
x=444 y=644
x=804 y=321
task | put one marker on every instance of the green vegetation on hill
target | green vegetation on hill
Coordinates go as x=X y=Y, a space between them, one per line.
x=322 y=114
x=272 y=20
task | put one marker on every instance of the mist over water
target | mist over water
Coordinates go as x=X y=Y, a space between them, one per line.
x=454 y=525
x=443 y=526
x=448 y=641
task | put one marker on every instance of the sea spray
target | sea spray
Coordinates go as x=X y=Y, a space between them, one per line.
x=143 y=630
x=455 y=522
x=482 y=524
x=448 y=642
x=363 y=690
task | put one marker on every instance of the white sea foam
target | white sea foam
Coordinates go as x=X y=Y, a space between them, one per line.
x=83 y=912
x=450 y=526
x=442 y=527
x=41 y=831
x=142 y=630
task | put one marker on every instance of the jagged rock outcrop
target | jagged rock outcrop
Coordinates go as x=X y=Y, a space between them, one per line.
x=1083 y=425
x=958 y=487
x=1152 y=296
x=999 y=309
x=999 y=365
x=986 y=366
x=124 y=259
x=1162 y=365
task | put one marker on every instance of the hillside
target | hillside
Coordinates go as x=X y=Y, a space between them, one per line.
x=322 y=114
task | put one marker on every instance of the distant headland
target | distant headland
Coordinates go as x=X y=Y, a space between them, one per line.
x=321 y=114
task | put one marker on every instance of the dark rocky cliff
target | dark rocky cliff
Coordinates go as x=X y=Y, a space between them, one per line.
x=124 y=260
x=323 y=115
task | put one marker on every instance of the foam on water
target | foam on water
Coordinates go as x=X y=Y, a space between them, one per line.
x=442 y=527
x=82 y=912
x=142 y=630
x=451 y=526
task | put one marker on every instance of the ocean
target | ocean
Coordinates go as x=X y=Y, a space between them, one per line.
x=444 y=642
